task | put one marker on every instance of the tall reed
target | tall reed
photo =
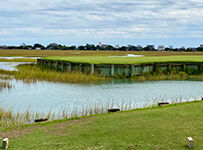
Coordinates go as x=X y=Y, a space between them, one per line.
x=9 y=118
x=33 y=73
x=5 y=85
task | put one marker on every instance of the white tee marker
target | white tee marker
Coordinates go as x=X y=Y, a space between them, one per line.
x=190 y=143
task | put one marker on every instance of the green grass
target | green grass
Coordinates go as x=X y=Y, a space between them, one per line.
x=163 y=128
x=127 y=60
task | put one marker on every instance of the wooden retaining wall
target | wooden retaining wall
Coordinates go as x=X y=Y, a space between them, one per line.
x=120 y=69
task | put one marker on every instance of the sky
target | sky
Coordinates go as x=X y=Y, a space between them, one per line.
x=116 y=22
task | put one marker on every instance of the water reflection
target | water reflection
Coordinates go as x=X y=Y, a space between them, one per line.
x=44 y=96
x=11 y=66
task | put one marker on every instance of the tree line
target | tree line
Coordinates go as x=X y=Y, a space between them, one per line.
x=104 y=47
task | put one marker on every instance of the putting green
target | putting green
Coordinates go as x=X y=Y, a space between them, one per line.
x=125 y=60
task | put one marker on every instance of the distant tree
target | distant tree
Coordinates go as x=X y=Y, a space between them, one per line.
x=81 y=47
x=132 y=48
x=28 y=47
x=109 y=48
x=64 y=47
x=72 y=47
x=37 y=45
x=90 y=47
x=123 y=48
x=199 y=49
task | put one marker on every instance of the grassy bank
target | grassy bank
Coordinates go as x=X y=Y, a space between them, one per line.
x=45 y=53
x=32 y=73
x=127 y=60
x=159 y=128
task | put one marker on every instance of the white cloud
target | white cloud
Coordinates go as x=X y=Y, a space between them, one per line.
x=101 y=18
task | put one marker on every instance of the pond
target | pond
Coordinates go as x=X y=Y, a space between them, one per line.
x=48 y=96
x=45 y=96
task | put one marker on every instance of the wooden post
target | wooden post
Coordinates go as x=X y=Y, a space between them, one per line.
x=57 y=66
x=80 y=70
x=50 y=64
x=190 y=143
x=132 y=70
x=5 y=143
x=92 y=68
x=62 y=67
x=39 y=61
x=43 y=62
x=169 y=67
x=69 y=68
x=113 y=110
x=184 y=67
x=143 y=68
x=155 y=67
x=201 y=68
x=112 y=70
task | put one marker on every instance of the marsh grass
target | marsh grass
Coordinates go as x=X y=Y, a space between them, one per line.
x=45 y=53
x=5 y=85
x=172 y=75
x=33 y=73
x=9 y=118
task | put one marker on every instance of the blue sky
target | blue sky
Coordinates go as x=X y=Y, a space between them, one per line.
x=168 y=22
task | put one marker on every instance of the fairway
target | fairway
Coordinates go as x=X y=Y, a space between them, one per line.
x=127 y=60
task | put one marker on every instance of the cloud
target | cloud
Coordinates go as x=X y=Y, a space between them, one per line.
x=100 y=19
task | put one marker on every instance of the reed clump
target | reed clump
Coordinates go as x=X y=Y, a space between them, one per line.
x=5 y=85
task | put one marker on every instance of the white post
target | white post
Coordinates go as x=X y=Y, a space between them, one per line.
x=5 y=143
x=190 y=143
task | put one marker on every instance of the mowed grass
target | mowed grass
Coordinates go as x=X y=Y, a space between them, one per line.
x=127 y=60
x=163 y=128
x=45 y=53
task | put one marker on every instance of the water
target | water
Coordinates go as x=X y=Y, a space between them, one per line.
x=10 y=66
x=45 y=96
x=19 y=58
